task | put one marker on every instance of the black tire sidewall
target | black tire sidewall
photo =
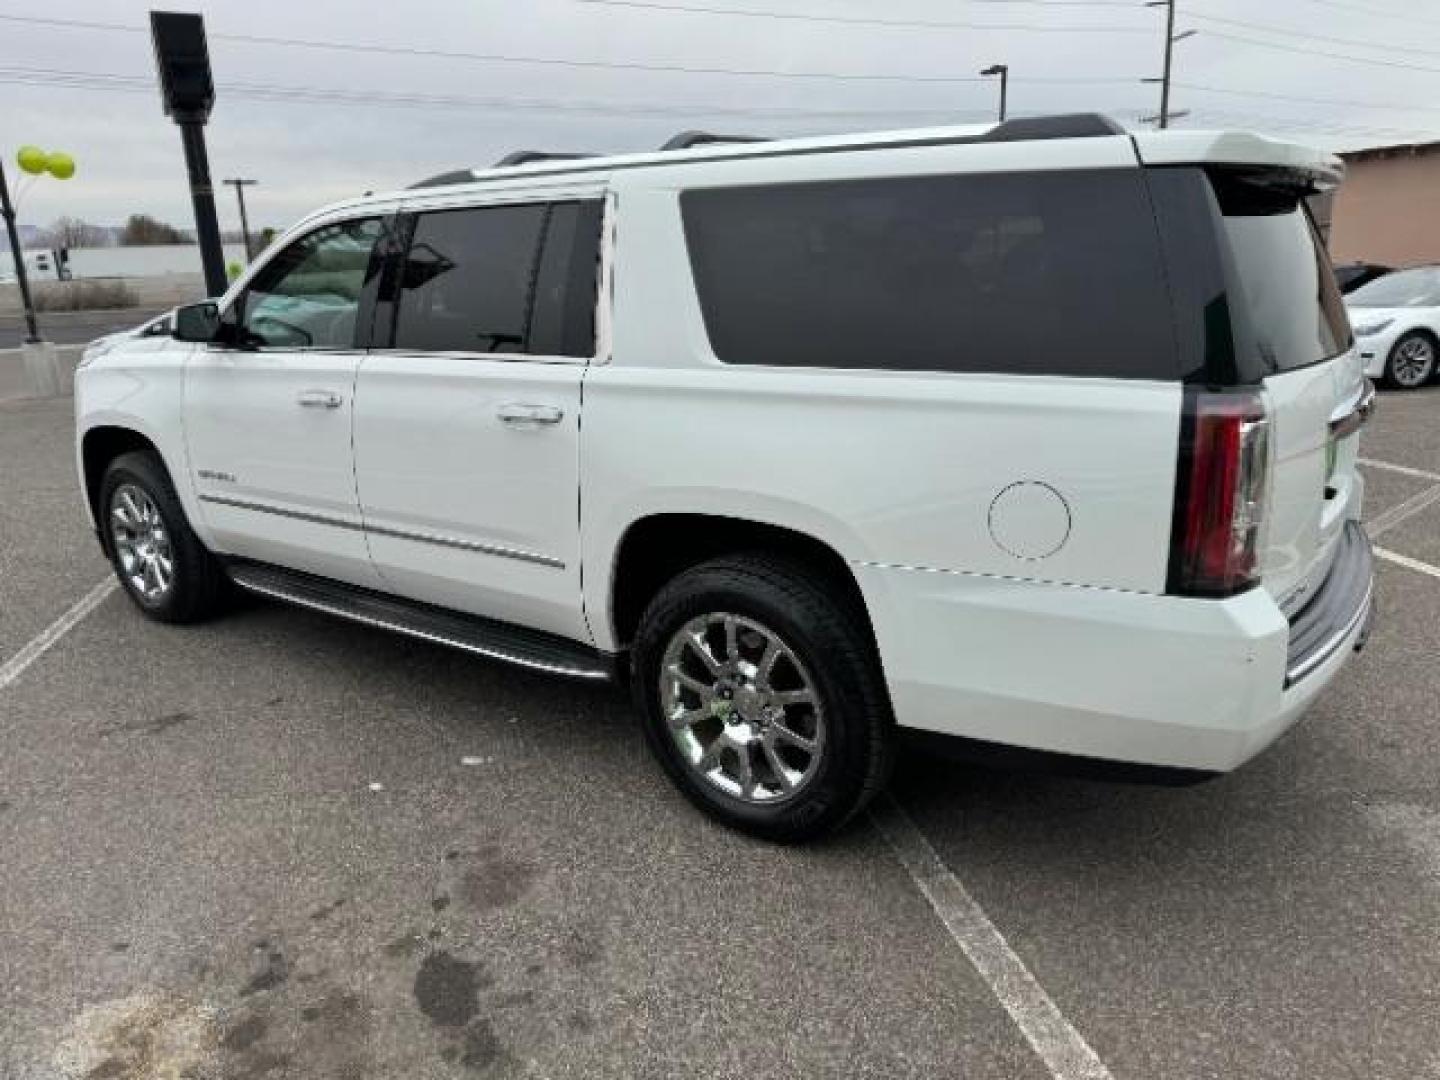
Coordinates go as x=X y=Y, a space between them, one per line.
x=835 y=652
x=192 y=586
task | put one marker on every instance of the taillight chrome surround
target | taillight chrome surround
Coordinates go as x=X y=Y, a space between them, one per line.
x=1220 y=493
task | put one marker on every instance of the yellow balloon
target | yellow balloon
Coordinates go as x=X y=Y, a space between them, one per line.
x=60 y=165
x=32 y=160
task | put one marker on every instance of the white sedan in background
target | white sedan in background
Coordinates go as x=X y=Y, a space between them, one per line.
x=1396 y=320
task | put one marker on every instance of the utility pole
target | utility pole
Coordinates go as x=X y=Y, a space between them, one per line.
x=1003 y=70
x=1165 y=115
x=32 y=331
x=239 y=183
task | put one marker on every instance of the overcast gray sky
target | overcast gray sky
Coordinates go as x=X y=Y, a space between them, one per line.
x=315 y=124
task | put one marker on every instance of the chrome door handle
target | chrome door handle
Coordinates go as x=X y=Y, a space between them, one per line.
x=515 y=413
x=319 y=399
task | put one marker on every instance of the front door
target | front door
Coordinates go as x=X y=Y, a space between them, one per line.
x=467 y=425
x=268 y=414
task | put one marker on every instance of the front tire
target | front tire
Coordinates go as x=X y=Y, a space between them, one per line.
x=161 y=563
x=762 y=697
x=1411 y=363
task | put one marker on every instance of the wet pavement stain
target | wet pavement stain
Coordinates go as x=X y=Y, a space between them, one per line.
x=245 y=1034
x=482 y=1047
x=273 y=974
x=326 y=910
x=447 y=989
x=402 y=946
x=154 y=725
x=495 y=879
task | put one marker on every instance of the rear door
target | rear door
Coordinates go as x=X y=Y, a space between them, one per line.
x=1293 y=336
x=467 y=419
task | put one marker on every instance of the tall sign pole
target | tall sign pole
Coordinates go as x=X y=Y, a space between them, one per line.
x=32 y=331
x=183 y=61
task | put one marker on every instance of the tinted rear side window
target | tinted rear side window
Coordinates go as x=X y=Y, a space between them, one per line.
x=1028 y=273
x=501 y=279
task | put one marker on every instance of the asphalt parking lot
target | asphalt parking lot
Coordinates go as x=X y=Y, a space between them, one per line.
x=283 y=846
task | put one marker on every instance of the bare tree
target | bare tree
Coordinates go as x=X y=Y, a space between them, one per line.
x=73 y=232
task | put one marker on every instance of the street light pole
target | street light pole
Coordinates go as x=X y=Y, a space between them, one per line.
x=1003 y=70
x=32 y=330
x=239 y=183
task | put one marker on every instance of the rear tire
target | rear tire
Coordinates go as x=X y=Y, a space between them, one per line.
x=162 y=565
x=762 y=696
x=1411 y=363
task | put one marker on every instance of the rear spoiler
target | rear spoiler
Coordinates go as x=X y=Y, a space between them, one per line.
x=1308 y=166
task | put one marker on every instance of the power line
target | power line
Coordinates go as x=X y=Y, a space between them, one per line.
x=1308 y=100
x=1196 y=16
x=908 y=24
x=1242 y=39
x=505 y=58
x=1364 y=10
x=1255 y=121
x=321 y=95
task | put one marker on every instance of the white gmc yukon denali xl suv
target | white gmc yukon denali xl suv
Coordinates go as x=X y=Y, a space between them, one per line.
x=1035 y=435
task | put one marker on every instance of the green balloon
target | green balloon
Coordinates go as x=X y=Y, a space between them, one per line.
x=32 y=160
x=60 y=165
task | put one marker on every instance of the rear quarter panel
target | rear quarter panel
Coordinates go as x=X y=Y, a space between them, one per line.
x=888 y=468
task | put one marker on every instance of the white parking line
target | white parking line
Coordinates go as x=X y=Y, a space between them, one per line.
x=1063 y=1050
x=1407 y=509
x=1403 y=470
x=37 y=646
x=1407 y=562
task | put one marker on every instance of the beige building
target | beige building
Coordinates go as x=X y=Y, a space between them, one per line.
x=1388 y=209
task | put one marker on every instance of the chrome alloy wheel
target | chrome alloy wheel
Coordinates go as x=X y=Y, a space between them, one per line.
x=142 y=543
x=1414 y=361
x=741 y=708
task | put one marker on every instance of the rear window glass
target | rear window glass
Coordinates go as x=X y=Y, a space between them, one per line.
x=1293 y=312
x=1033 y=273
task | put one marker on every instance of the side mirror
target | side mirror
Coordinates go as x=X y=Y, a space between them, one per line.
x=197 y=322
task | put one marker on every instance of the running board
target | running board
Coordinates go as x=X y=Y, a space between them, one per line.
x=489 y=638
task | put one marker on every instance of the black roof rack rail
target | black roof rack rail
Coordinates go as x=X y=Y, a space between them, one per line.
x=527 y=157
x=1022 y=129
x=455 y=176
x=687 y=139
x=1062 y=126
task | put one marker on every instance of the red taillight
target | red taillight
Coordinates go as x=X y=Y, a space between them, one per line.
x=1219 y=493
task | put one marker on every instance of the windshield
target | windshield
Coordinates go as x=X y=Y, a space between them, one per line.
x=1295 y=313
x=1405 y=288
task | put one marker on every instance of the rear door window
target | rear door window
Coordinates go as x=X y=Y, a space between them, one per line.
x=500 y=279
x=1032 y=273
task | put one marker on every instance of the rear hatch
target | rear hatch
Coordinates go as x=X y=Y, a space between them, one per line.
x=1257 y=308
x=1293 y=338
